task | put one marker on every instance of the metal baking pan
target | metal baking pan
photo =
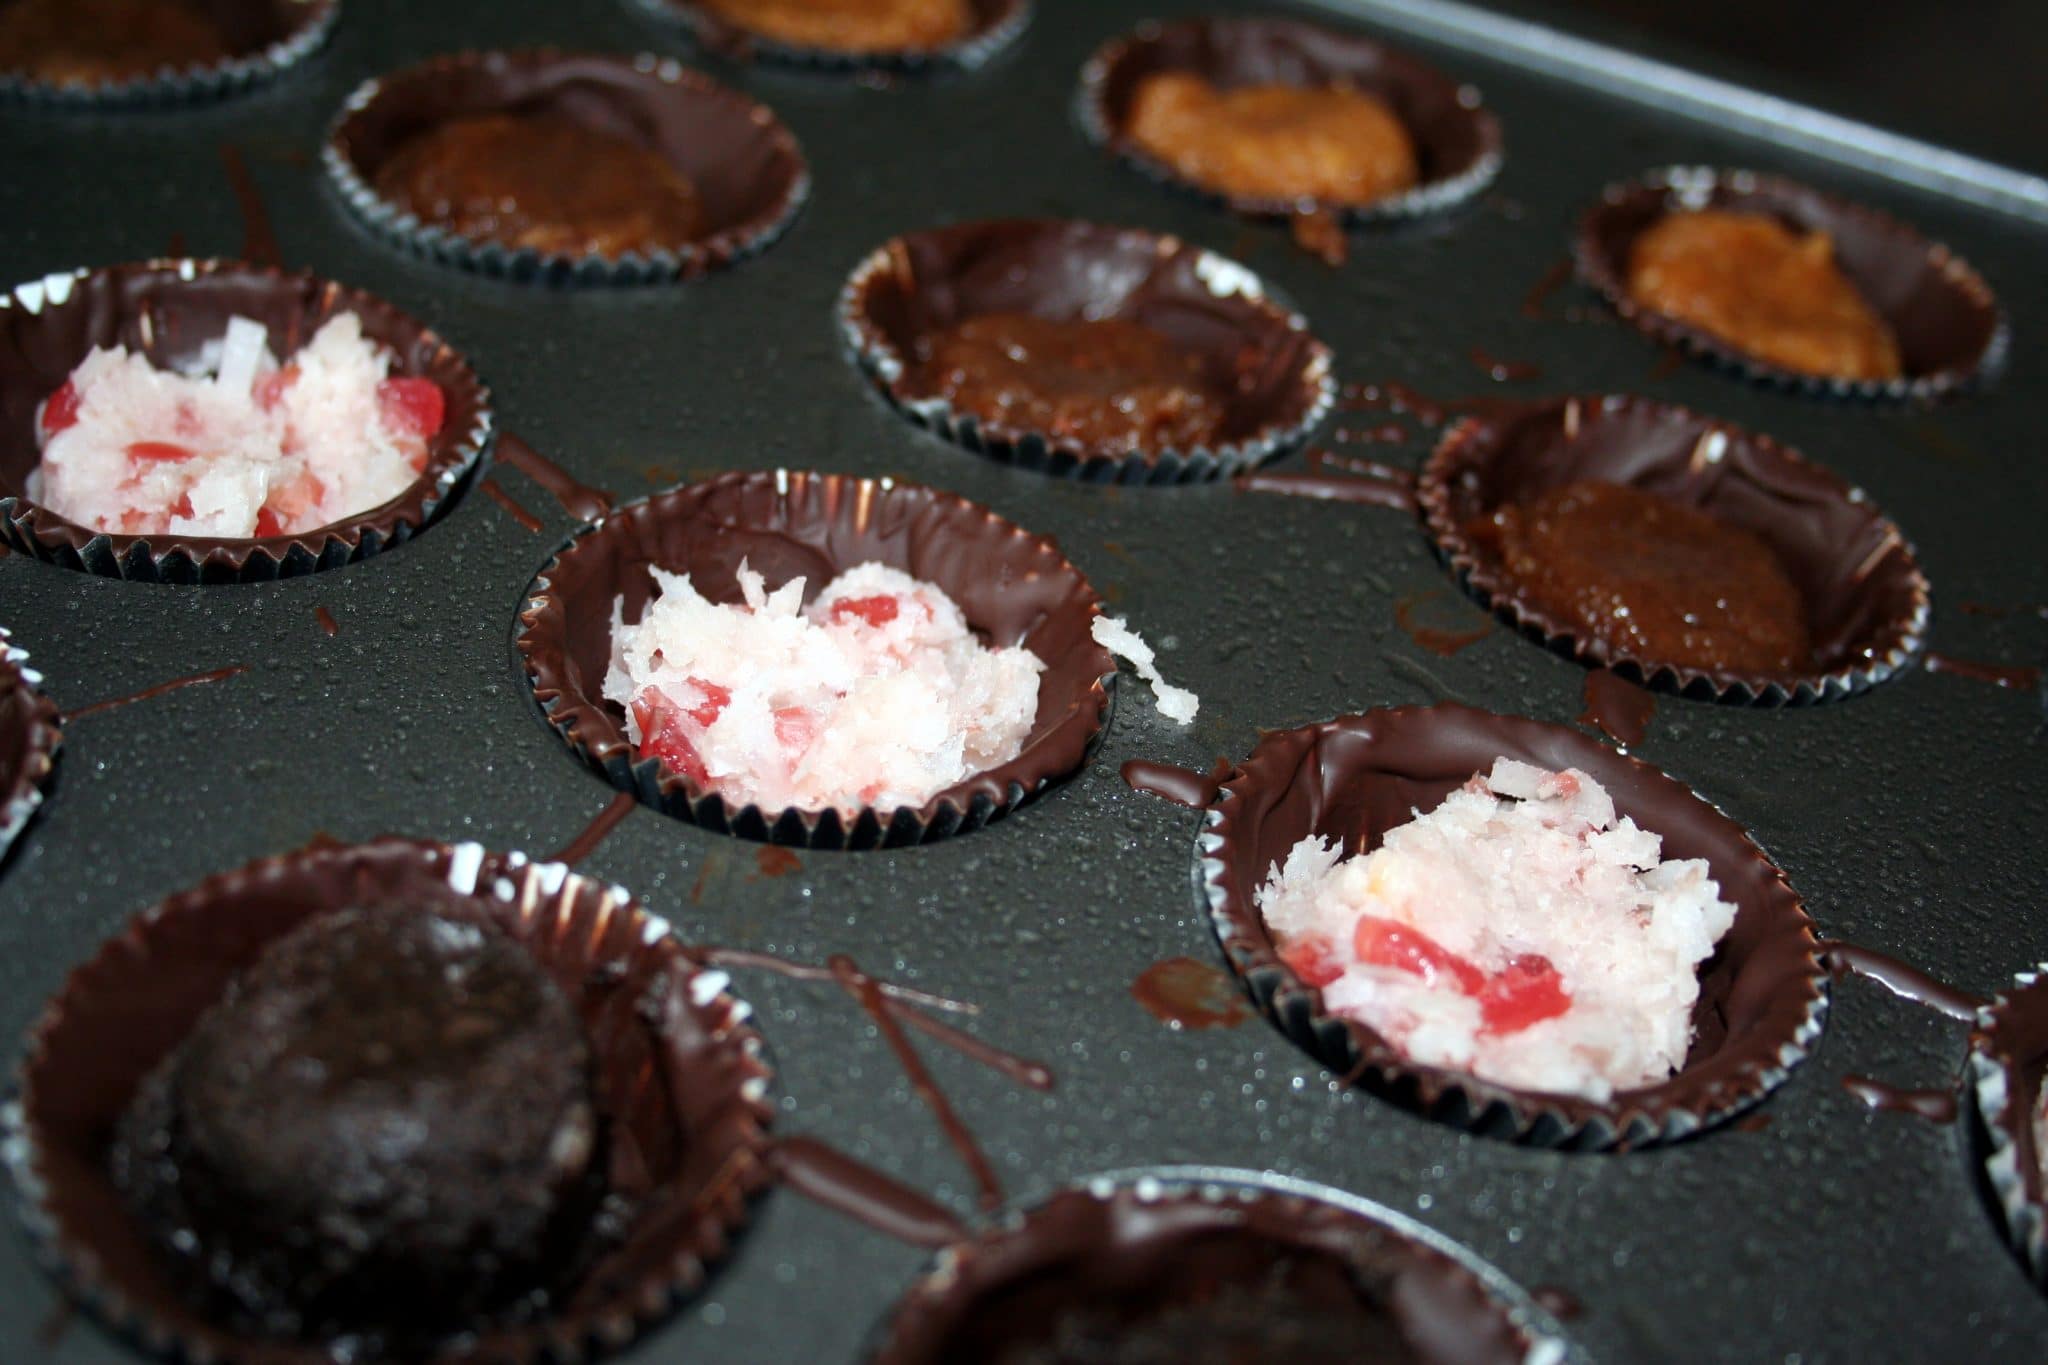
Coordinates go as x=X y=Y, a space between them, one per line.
x=1909 y=818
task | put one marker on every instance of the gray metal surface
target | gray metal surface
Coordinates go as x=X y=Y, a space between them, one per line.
x=1910 y=818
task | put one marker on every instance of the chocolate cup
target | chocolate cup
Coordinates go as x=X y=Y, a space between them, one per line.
x=1136 y=1239
x=2008 y=1059
x=997 y=24
x=1865 y=595
x=1014 y=588
x=1951 y=332
x=266 y=37
x=1458 y=144
x=167 y=310
x=745 y=164
x=920 y=284
x=1762 y=993
x=30 y=735
x=680 y=1085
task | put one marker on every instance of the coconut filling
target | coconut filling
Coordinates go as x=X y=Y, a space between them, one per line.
x=1519 y=933
x=236 y=445
x=878 y=694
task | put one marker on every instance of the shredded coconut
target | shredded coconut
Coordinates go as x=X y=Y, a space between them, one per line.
x=878 y=694
x=238 y=446
x=1519 y=933
x=1175 y=703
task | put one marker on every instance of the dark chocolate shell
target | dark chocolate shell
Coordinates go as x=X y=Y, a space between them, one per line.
x=996 y=24
x=924 y=282
x=167 y=310
x=1178 y=1237
x=1014 y=588
x=1457 y=139
x=266 y=38
x=745 y=164
x=1951 y=331
x=2008 y=1064
x=679 y=1083
x=1866 y=598
x=1762 y=994
x=30 y=734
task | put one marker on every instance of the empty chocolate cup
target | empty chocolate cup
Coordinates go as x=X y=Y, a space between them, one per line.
x=994 y=26
x=30 y=734
x=167 y=311
x=2008 y=1060
x=1762 y=993
x=1013 y=587
x=744 y=164
x=1180 y=1256
x=261 y=38
x=1458 y=148
x=1270 y=375
x=1866 y=599
x=1951 y=332
x=679 y=1086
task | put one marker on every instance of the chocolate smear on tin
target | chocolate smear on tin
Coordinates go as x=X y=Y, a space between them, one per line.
x=259 y=240
x=1502 y=371
x=867 y=993
x=579 y=500
x=1184 y=994
x=1617 y=707
x=1442 y=641
x=776 y=861
x=1907 y=982
x=149 y=693
x=862 y=1193
x=327 y=621
x=593 y=834
x=1539 y=294
x=2012 y=677
x=1936 y=1106
x=496 y=493
x=1169 y=782
x=1321 y=234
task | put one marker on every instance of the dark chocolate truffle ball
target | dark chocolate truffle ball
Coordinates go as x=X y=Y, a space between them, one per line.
x=385 y=1127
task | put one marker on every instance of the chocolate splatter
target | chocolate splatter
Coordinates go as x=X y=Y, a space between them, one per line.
x=776 y=861
x=1184 y=993
x=1440 y=640
x=327 y=621
x=148 y=693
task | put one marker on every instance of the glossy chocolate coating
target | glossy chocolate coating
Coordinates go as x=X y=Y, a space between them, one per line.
x=543 y=181
x=384 y=1127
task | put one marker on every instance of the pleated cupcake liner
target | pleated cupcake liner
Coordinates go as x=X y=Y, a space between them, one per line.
x=197 y=84
x=2007 y=1062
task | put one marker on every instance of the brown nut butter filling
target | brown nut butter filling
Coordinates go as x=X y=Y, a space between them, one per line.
x=1773 y=292
x=1330 y=143
x=545 y=181
x=851 y=25
x=1106 y=382
x=105 y=42
x=1652 y=577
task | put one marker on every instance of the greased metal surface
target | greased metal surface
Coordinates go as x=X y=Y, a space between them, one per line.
x=1908 y=818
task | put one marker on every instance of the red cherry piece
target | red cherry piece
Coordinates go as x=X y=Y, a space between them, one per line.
x=269 y=390
x=267 y=524
x=1527 y=991
x=61 y=411
x=715 y=700
x=1389 y=943
x=1314 y=960
x=183 y=506
x=412 y=406
x=795 y=728
x=879 y=610
x=167 y=452
x=662 y=736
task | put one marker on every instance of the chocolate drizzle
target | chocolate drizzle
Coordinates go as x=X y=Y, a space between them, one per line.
x=1936 y=1106
x=1761 y=997
x=495 y=491
x=259 y=239
x=593 y=834
x=1013 y=587
x=1902 y=979
x=1617 y=707
x=1950 y=329
x=1864 y=594
x=1458 y=146
x=579 y=500
x=167 y=311
x=2012 y=677
x=157 y=690
x=1182 y=786
x=856 y=1189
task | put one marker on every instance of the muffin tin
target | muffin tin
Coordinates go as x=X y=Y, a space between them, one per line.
x=1907 y=818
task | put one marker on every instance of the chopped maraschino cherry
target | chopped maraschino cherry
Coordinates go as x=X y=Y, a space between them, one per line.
x=878 y=610
x=662 y=735
x=1314 y=960
x=716 y=698
x=415 y=406
x=270 y=388
x=161 y=452
x=1526 y=991
x=1390 y=943
x=61 y=410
